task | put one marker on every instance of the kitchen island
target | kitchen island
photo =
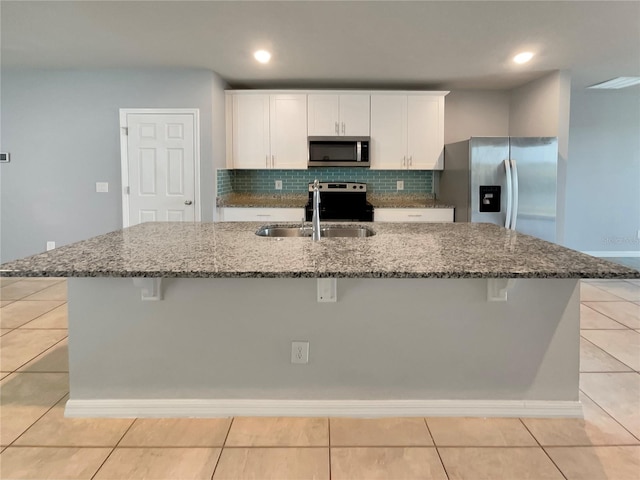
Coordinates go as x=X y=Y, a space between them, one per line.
x=197 y=319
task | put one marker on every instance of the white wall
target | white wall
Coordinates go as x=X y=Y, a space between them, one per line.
x=603 y=188
x=62 y=130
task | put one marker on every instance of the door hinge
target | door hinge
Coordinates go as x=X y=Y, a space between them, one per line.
x=126 y=190
x=125 y=130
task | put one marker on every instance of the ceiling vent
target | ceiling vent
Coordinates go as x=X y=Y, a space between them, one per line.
x=618 y=82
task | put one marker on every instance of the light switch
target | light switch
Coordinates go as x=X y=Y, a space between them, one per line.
x=102 y=187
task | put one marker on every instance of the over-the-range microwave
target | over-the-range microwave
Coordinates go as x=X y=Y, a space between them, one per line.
x=339 y=151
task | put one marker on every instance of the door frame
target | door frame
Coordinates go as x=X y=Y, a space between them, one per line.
x=124 y=154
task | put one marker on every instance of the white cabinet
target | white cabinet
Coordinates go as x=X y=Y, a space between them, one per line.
x=413 y=215
x=407 y=131
x=344 y=115
x=269 y=131
x=248 y=214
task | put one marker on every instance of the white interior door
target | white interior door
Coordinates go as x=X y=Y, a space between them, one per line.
x=160 y=178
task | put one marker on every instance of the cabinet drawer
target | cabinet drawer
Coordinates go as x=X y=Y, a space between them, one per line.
x=242 y=214
x=413 y=214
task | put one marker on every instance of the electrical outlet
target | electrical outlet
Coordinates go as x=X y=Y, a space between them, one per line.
x=299 y=352
x=102 y=187
x=400 y=185
x=51 y=245
x=278 y=184
x=638 y=234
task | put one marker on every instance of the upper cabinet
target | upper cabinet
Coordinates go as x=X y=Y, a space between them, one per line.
x=333 y=114
x=407 y=131
x=268 y=131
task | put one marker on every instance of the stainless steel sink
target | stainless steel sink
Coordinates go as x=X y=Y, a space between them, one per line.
x=344 y=231
x=329 y=231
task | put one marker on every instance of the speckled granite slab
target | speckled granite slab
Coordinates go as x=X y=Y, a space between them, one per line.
x=299 y=200
x=398 y=250
x=405 y=201
x=262 y=200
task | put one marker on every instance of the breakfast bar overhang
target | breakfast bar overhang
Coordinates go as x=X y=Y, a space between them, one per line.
x=197 y=320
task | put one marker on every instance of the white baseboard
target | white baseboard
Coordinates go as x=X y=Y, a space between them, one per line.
x=168 y=408
x=614 y=253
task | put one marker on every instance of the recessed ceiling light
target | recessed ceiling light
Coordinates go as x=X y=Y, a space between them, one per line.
x=618 y=82
x=523 y=57
x=262 y=56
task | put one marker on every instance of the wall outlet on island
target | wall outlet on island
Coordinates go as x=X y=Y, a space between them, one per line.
x=299 y=352
x=400 y=185
x=278 y=184
x=51 y=245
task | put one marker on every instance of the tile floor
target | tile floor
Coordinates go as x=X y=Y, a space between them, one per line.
x=37 y=442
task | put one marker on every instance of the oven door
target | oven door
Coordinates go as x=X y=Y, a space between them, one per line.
x=341 y=207
x=338 y=152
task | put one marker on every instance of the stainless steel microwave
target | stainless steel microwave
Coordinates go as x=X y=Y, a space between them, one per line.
x=339 y=151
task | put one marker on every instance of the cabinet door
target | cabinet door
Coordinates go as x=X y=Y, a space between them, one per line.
x=288 y=131
x=257 y=214
x=388 y=148
x=410 y=215
x=425 y=134
x=323 y=115
x=354 y=115
x=251 y=131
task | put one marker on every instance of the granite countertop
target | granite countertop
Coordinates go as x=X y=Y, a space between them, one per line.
x=398 y=250
x=299 y=200
x=265 y=200
x=405 y=201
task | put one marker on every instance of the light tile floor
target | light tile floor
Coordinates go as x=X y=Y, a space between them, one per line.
x=37 y=442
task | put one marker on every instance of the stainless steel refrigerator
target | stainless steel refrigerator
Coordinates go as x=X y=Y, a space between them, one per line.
x=509 y=181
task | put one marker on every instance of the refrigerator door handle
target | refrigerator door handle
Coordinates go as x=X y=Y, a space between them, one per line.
x=507 y=168
x=514 y=208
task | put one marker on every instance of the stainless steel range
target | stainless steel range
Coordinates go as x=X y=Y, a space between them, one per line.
x=345 y=201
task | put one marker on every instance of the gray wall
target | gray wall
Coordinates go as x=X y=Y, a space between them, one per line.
x=475 y=113
x=61 y=128
x=207 y=344
x=603 y=188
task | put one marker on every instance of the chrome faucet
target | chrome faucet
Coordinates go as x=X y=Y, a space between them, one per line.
x=316 y=211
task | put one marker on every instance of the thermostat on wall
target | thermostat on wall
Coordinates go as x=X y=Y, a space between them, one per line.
x=4 y=157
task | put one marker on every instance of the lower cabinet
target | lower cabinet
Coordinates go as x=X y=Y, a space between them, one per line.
x=250 y=214
x=413 y=215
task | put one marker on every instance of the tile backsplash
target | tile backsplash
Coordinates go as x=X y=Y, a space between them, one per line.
x=296 y=181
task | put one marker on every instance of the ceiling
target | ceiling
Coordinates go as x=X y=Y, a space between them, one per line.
x=354 y=44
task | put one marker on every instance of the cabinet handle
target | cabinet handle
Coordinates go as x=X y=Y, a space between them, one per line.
x=262 y=215
x=337 y=129
x=266 y=161
x=404 y=160
x=273 y=161
x=343 y=128
x=414 y=215
x=410 y=160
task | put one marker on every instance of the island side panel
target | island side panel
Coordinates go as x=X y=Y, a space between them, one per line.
x=383 y=339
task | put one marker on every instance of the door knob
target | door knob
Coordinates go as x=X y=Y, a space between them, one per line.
x=188 y=202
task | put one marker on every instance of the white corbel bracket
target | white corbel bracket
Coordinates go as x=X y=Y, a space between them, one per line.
x=327 y=290
x=497 y=288
x=151 y=288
